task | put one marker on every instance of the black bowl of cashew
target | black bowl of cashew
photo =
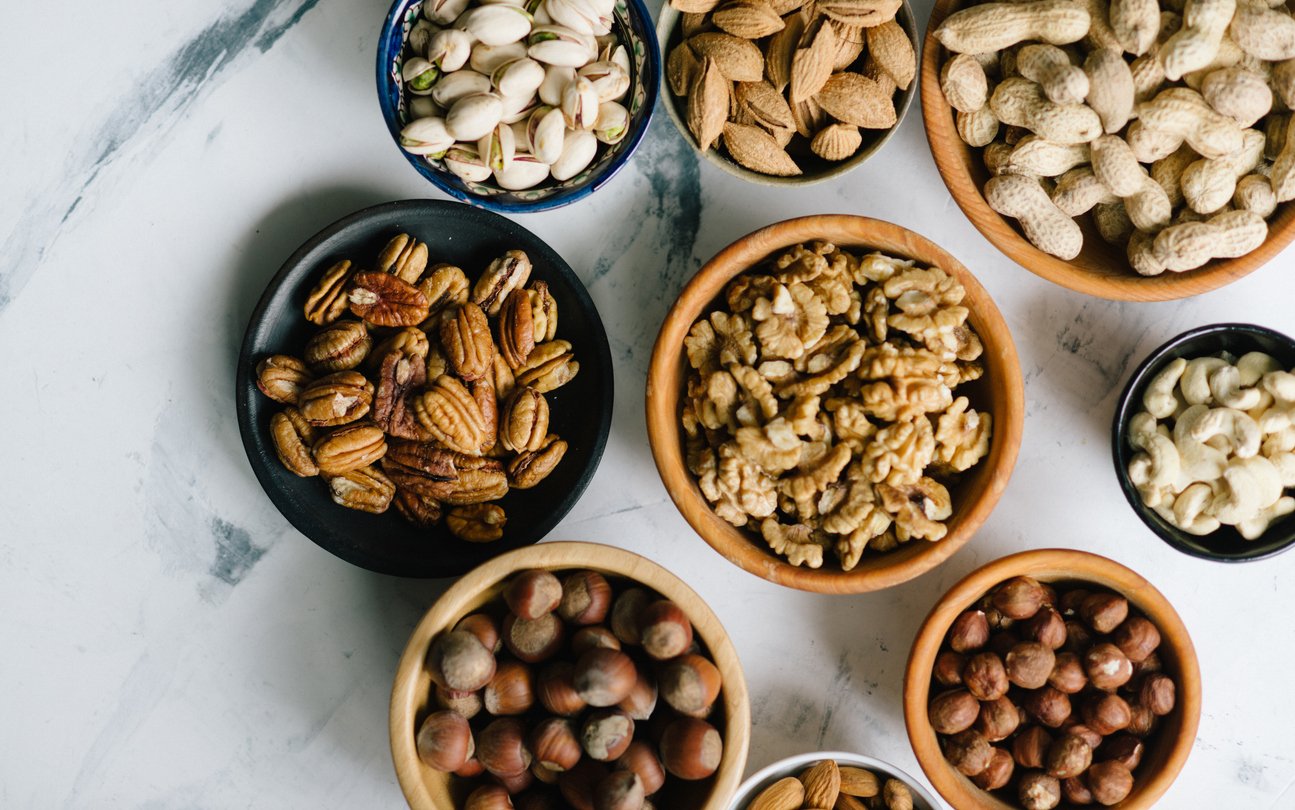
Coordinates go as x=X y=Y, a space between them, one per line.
x=1204 y=442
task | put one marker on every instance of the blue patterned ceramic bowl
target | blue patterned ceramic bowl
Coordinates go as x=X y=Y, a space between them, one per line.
x=635 y=27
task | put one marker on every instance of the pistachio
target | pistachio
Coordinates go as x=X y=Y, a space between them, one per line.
x=426 y=136
x=497 y=147
x=473 y=116
x=485 y=58
x=580 y=104
x=419 y=75
x=449 y=49
x=455 y=86
x=547 y=130
x=497 y=24
x=424 y=107
x=558 y=45
x=556 y=78
x=420 y=35
x=519 y=108
x=611 y=82
x=466 y=163
x=582 y=16
x=578 y=150
x=525 y=172
x=443 y=12
x=519 y=78
x=613 y=123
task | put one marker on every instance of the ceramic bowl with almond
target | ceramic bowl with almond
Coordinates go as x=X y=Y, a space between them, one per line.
x=832 y=779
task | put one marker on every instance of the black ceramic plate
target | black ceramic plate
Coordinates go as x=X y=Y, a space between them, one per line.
x=470 y=238
x=1226 y=544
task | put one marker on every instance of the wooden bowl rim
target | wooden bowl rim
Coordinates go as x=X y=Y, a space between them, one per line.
x=664 y=429
x=947 y=148
x=1047 y=565
x=458 y=600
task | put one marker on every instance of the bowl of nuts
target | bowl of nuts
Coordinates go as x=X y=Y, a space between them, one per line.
x=788 y=93
x=569 y=675
x=832 y=779
x=1204 y=442
x=1107 y=148
x=407 y=396
x=518 y=107
x=1052 y=678
x=834 y=403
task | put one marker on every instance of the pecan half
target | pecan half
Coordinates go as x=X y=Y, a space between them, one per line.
x=365 y=489
x=401 y=373
x=417 y=509
x=350 y=448
x=449 y=413
x=339 y=347
x=551 y=365
x=483 y=393
x=533 y=466
x=446 y=287
x=502 y=378
x=337 y=399
x=426 y=460
x=525 y=421
x=516 y=328
x=466 y=340
x=544 y=311
x=476 y=480
x=410 y=340
x=281 y=378
x=404 y=257
x=509 y=272
x=327 y=301
x=384 y=300
x=482 y=523
x=292 y=436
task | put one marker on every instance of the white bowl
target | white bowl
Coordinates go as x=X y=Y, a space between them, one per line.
x=791 y=766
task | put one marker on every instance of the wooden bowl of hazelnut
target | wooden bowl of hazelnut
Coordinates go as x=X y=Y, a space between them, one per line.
x=533 y=683
x=1052 y=678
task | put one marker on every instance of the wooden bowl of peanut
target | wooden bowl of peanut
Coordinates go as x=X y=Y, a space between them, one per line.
x=835 y=404
x=1101 y=149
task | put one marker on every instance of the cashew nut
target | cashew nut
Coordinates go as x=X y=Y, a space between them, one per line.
x=1159 y=399
x=1254 y=365
x=1225 y=385
x=1249 y=485
x=1197 y=460
x=1165 y=464
x=1285 y=464
x=1189 y=510
x=1281 y=384
x=1195 y=383
x=1236 y=426
x=1283 y=441
x=1254 y=527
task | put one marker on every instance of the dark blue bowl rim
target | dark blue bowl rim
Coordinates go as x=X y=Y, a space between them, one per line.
x=387 y=90
x=1124 y=410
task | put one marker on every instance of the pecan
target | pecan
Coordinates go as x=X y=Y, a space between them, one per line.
x=507 y=273
x=481 y=523
x=533 y=466
x=551 y=365
x=483 y=393
x=419 y=510
x=502 y=378
x=420 y=459
x=466 y=341
x=365 y=489
x=449 y=413
x=516 y=328
x=410 y=340
x=404 y=257
x=350 y=448
x=384 y=300
x=400 y=375
x=544 y=311
x=525 y=421
x=476 y=480
x=292 y=435
x=339 y=347
x=336 y=399
x=446 y=287
x=281 y=378
x=327 y=301
x=436 y=362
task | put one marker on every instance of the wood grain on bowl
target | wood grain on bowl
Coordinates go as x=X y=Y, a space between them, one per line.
x=999 y=392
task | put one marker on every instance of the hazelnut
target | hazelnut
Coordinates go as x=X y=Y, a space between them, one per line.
x=1157 y=693
x=1068 y=674
x=641 y=701
x=626 y=611
x=586 y=598
x=606 y=734
x=1137 y=638
x=501 y=747
x=1046 y=627
x=1019 y=597
x=1029 y=664
x=1068 y=756
x=485 y=628
x=511 y=691
x=664 y=630
x=444 y=741
x=1123 y=748
x=985 y=676
x=1002 y=642
x=1104 y=611
x=998 y=719
x=642 y=760
x=557 y=691
x=531 y=594
x=459 y=661
x=619 y=790
x=690 y=684
x=969 y=631
x=996 y=619
x=554 y=744
x=587 y=638
x=471 y=769
x=1078 y=637
x=1068 y=603
x=577 y=785
x=1142 y=721
x=1038 y=791
x=1083 y=732
x=1107 y=668
x=604 y=677
x=533 y=640
x=467 y=704
x=1109 y=781
x=489 y=797
x=691 y=748
x=1048 y=706
x=1107 y=714
x=948 y=668
x=968 y=751
x=1075 y=791
x=952 y=712
x=1030 y=747
x=997 y=773
x=1151 y=663
x=545 y=775
x=515 y=783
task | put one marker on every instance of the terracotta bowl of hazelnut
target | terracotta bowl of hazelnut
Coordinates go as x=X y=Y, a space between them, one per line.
x=1052 y=678
x=841 y=506
x=826 y=779
x=533 y=683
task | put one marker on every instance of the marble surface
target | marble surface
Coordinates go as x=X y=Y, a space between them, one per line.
x=170 y=641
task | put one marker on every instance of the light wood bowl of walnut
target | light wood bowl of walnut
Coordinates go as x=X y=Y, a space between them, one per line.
x=1101 y=269
x=998 y=392
x=411 y=700
x=1166 y=751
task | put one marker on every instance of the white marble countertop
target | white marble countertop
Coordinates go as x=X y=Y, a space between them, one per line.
x=170 y=641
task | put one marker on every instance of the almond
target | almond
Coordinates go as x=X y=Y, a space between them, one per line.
x=822 y=784
x=784 y=7
x=764 y=105
x=694 y=6
x=889 y=44
x=694 y=24
x=785 y=794
x=750 y=19
x=809 y=117
x=708 y=104
x=681 y=68
x=859 y=782
x=738 y=59
x=857 y=100
x=811 y=67
x=847 y=50
x=859 y=12
x=780 y=50
x=836 y=142
x=758 y=151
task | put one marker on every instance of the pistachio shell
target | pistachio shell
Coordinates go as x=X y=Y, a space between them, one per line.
x=485 y=58
x=519 y=108
x=610 y=81
x=424 y=107
x=465 y=162
x=443 y=12
x=420 y=35
x=426 y=136
x=525 y=172
x=474 y=115
x=455 y=86
x=559 y=45
x=548 y=134
x=521 y=133
x=613 y=122
x=836 y=142
x=578 y=151
x=497 y=24
x=497 y=147
x=556 y=78
x=578 y=15
x=449 y=49
x=580 y=104
x=419 y=75
x=519 y=78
